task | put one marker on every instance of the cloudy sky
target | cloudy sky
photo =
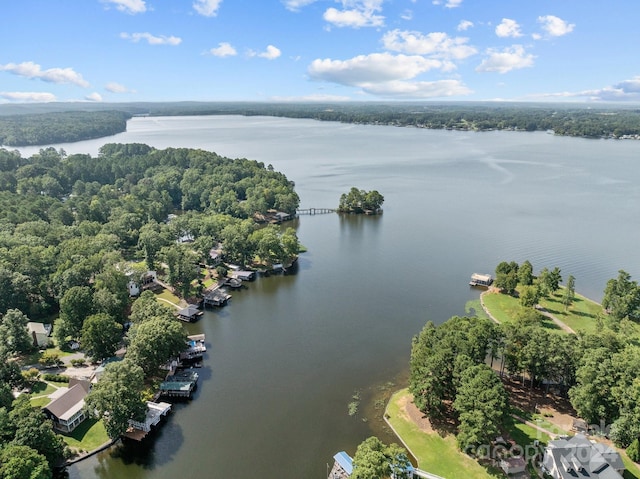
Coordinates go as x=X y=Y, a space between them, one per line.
x=324 y=50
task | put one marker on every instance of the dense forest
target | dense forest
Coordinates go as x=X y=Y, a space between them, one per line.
x=72 y=221
x=60 y=127
x=31 y=124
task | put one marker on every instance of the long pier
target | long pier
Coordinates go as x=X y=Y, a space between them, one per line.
x=315 y=211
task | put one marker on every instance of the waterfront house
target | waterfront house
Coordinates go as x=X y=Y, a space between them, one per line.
x=67 y=410
x=39 y=333
x=573 y=457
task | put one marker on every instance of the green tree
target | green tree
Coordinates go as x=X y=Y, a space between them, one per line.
x=23 y=462
x=529 y=296
x=118 y=397
x=622 y=297
x=101 y=335
x=76 y=304
x=147 y=307
x=32 y=429
x=13 y=332
x=569 y=292
x=375 y=460
x=633 y=451
x=482 y=404
x=151 y=241
x=358 y=201
x=182 y=268
x=507 y=276
x=555 y=278
x=525 y=274
x=154 y=341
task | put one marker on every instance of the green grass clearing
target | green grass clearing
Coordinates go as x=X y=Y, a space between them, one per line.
x=580 y=316
x=435 y=454
x=42 y=388
x=167 y=297
x=39 y=402
x=505 y=308
x=632 y=468
x=88 y=436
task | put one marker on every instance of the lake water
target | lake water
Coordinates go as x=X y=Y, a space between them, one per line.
x=289 y=352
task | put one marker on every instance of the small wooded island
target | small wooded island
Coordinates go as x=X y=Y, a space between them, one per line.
x=361 y=202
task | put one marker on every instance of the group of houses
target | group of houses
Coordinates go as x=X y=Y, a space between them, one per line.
x=67 y=408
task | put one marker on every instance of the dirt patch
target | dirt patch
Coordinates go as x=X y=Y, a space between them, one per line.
x=557 y=410
x=409 y=411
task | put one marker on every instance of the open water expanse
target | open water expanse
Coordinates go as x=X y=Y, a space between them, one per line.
x=288 y=352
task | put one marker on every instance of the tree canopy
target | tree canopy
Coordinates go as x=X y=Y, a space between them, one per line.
x=360 y=201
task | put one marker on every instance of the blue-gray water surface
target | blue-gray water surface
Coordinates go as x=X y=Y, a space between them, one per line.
x=289 y=352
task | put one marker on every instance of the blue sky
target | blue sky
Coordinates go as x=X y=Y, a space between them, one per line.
x=323 y=50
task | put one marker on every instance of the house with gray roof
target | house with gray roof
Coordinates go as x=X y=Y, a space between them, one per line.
x=67 y=410
x=578 y=457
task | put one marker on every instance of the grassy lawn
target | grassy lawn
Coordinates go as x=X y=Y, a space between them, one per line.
x=580 y=316
x=87 y=436
x=42 y=388
x=435 y=454
x=540 y=420
x=39 y=402
x=168 y=296
x=523 y=434
x=633 y=470
x=504 y=308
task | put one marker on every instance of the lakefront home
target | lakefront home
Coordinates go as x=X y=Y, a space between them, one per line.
x=568 y=458
x=67 y=410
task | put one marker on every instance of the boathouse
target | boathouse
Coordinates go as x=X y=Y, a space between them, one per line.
x=342 y=466
x=216 y=297
x=180 y=385
x=138 y=430
x=480 y=280
x=195 y=348
x=243 y=275
x=190 y=314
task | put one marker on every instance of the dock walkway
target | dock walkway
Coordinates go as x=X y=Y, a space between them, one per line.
x=315 y=211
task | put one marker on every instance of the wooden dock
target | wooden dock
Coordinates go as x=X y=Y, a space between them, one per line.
x=315 y=211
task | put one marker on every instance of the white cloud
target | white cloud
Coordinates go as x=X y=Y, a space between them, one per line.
x=129 y=6
x=370 y=69
x=508 y=28
x=422 y=89
x=554 y=26
x=464 y=25
x=207 y=8
x=114 y=87
x=295 y=5
x=223 y=49
x=437 y=44
x=27 y=96
x=626 y=90
x=356 y=14
x=406 y=15
x=95 y=96
x=151 y=39
x=511 y=58
x=271 y=53
x=313 y=97
x=52 y=75
x=448 y=3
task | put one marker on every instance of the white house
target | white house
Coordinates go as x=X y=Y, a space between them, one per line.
x=39 y=333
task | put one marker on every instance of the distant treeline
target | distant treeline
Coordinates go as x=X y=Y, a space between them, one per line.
x=60 y=127
x=20 y=125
